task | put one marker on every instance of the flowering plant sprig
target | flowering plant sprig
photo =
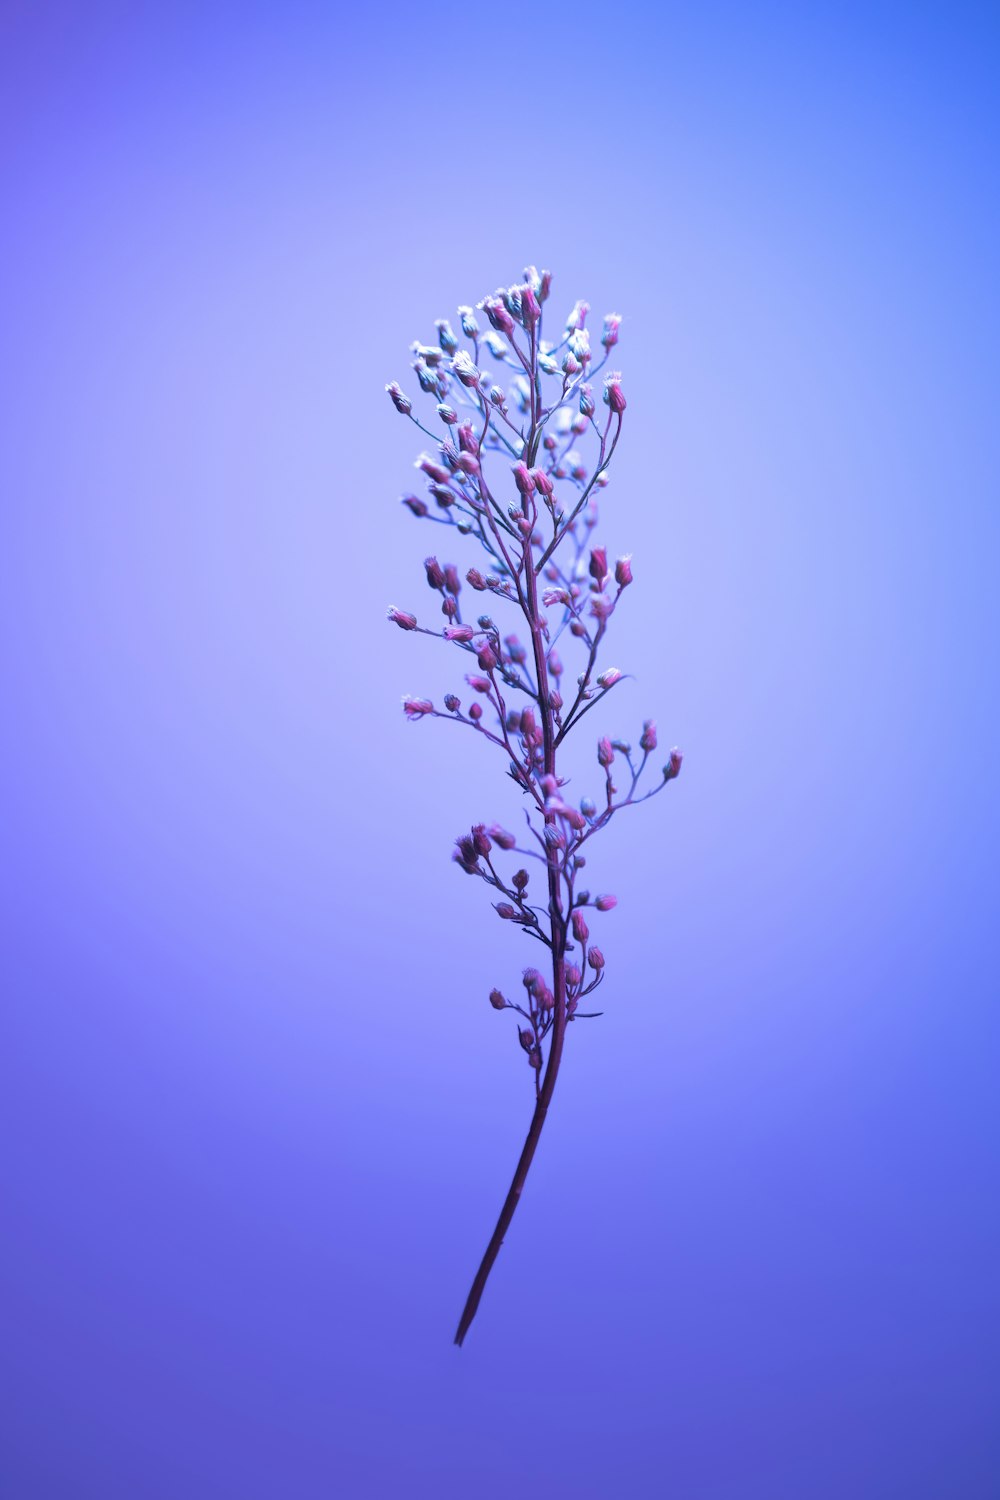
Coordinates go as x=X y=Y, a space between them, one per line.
x=533 y=514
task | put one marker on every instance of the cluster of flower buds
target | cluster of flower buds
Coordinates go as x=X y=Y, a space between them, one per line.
x=540 y=503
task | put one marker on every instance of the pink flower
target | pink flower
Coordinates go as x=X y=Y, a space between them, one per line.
x=623 y=571
x=613 y=395
x=401 y=618
x=415 y=708
x=606 y=903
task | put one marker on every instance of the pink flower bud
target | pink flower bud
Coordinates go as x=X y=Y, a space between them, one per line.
x=595 y=959
x=544 y=286
x=546 y=999
x=468 y=463
x=532 y=980
x=452 y=580
x=487 y=658
x=401 y=618
x=573 y=976
x=526 y=1038
x=467 y=372
x=578 y=316
x=601 y=607
x=523 y=479
x=435 y=572
x=497 y=1000
x=580 y=929
x=458 y=632
x=613 y=396
x=554 y=596
x=528 y=723
x=468 y=320
x=530 y=310
x=414 y=503
x=467 y=440
x=605 y=754
x=432 y=470
x=673 y=766
x=542 y=481
x=519 y=880
x=481 y=839
x=647 y=740
x=451 y=703
x=609 y=678
x=606 y=903
x=446 y=338
x=555 y=665
x=479 y=684
x=476 y=579
x=475 y=711
x=623 y=571
x=599 y=564
x=499 y=317
x=609 y=337
x=415 y=708
x=501 y=837
x=443 y=495
x=587 y=405
x=449 y=607
x=448 y=414
x=402 y=403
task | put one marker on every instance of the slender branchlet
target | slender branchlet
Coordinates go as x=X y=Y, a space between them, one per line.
x=507 y=469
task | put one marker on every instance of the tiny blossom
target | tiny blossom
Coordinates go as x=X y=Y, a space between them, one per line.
x=446 y=338
x=599 y=564
x=415 y=708
x=499 y=317
x=613 y=396
x=523 y=481
x=432 y=470
x=464 y=368
x=578 y=316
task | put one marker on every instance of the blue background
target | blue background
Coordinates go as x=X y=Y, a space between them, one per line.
x=257 y=1114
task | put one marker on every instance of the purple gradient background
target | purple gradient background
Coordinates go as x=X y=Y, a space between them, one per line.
x=258 y=1117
